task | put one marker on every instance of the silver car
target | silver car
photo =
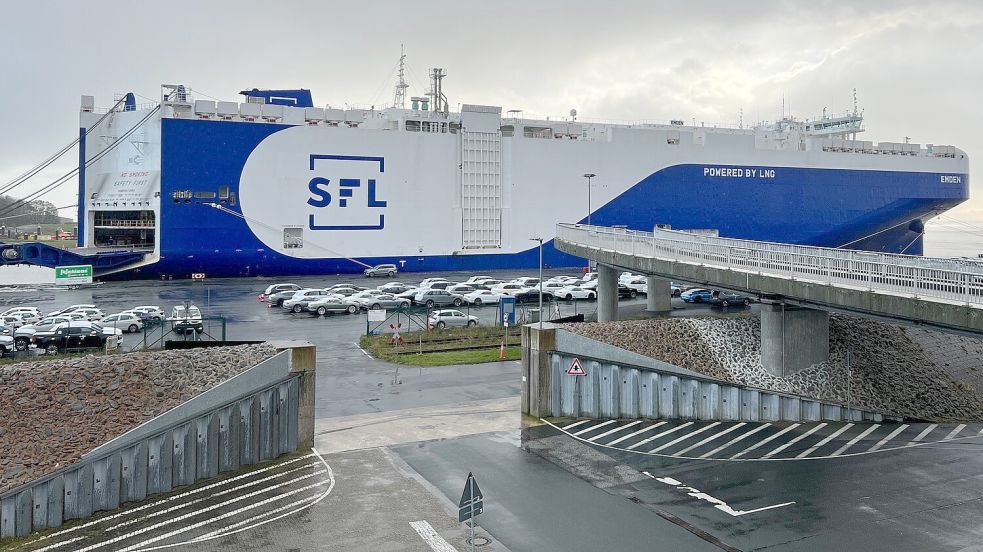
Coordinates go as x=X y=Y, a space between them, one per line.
x=380 y=270
x=433 y=297
x=443 y=318
x=333 y=303
x=383 y=301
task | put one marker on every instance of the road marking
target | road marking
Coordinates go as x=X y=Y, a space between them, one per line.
x=431 y=537
x=684 y=437
x=170 y=499
x=575 y=424
x=615 y=430
x=954 y=432
x=711 y=438
x=639 y=432
x=364 y=352
x=717 y=503
x=656 y=436
x=924 y=433
x=856 y=439
x=890 y=436
x=737 y=439
x=815 y=428
x=819 y=445
x=765 y=442
x=598 y=426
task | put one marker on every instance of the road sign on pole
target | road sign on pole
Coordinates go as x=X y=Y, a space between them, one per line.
x=472 y=504
x=576 y=368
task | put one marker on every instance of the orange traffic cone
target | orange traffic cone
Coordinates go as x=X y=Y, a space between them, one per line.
x=501 y=351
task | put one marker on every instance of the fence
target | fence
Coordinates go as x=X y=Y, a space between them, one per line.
x=248 y=419
x=952 y=280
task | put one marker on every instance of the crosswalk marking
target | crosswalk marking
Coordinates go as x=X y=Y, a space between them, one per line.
x=818 y=445
x=684 y=437
x=766 y=441
x=575 y=424
x=856 y=439
x=598 y=426
x=615 y=430
x=890 y=436
x=639 y=432
x=710 y=438
x=737 y=439
x=925 y=432
x=954 y=432
x=656 y=436
x=796 y=440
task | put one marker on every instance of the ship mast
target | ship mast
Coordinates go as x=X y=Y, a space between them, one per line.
x=399 y=95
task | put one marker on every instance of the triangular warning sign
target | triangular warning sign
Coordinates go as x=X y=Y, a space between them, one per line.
x=576 y=368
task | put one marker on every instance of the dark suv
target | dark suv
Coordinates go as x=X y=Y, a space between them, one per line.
x=70 y=338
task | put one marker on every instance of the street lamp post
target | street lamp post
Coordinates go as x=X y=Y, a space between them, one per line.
x=588 y=176
x=540 y=240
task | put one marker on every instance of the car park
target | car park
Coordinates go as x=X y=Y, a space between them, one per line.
x=186 y=320
x=380 y=270
x=126 y=321
x=333 y=303
x=726 y=299
x=70 y=336
x=696 y=295
x=277 y=288
x=22 y=336
x=441 y=319
x=300 y=299
x=483 y=297
x=383 y=301
x=438 y=297
x=570 y=293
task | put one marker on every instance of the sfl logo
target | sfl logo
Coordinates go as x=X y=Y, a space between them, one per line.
x=339 y=195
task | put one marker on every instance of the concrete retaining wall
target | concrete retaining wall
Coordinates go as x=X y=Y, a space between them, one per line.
x=257 y=415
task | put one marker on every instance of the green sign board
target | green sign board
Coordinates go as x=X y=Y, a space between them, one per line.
x=71 y=275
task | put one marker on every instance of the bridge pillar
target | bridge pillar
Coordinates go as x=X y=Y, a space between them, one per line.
x=792 y=338
x=607 y=293
x=659 y=298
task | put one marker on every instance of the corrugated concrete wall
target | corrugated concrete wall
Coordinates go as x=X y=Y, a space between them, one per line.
x=255 y=416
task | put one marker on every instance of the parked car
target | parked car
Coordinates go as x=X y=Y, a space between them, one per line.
x=92 y=315
x=575 y=292
x=461 y=289
x=511 y=288
x=554 y=285
x=302 y=298
x=383 y=301
x=149 y=312
x=526 y=281
x=589 y=276
x=26 y=313
x=675 y=289
x=332 y=303
x=726 y=299
x=71 y=308
x=22 y=336
x=441 y=319
x=427 y=281
x=639 y=284
x=70 y=336
x=696 y=295
x=395 y=288
x=127 y=321
x=380 y=270
x=441 y=285
x=409 y=294
x=476 y=279
x=12 y=321
x=624 y=292
x=435 y=297
x=6 y=344
x=186 y=320
x=345 y=291
x=486 y=284
x=277 y=299
x=277 y=288
x=531 y=295
x=483 y=297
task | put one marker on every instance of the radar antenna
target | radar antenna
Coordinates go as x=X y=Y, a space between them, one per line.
x=399 y=95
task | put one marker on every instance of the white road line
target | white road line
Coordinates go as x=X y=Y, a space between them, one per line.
x=575 y=424
x=615 y=430
x=230 y=529
x=856 y=439
x=639 y=432
x=62 y=543
x=202 y=511
x=684 y=437
x=431 y=537
x=955 y=432
x=819 y=445
x=925 y=432
x=711 y=438
x=765 y=441
x=890 y=436
x=815 y=428
x=168 y=499
x=598 y=426
x=737 y=439
x=364 y=352
x=657 y=435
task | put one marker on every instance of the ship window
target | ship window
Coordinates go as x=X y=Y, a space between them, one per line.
x=204 y=195
x=223 y=192
x=413 y=126
x=293 y=238
x=508 y=130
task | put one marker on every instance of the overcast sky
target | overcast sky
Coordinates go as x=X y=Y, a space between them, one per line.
x=917 y=66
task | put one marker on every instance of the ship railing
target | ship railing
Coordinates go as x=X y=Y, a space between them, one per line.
x=943 y=279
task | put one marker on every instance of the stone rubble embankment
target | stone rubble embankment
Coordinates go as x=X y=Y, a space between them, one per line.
x=901 y=370
x=53 y=412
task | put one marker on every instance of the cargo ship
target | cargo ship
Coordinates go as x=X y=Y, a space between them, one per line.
x=273 y=185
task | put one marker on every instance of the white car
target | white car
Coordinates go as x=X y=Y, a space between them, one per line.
x=483 y=297
x=27 y=313
x=92 y=315
x=589 y=276
x=569 y=279
x=126 y=321
x=13 y=321
x=527 y=281
x=574 y=292
x=427 y=281
x=384 y=301
x=511 y=288
x=487 y=284
x=476 y=279
x=277 y=288
x=638 y=284
x=366 y=295
x=72 y=308
x=301 y=299
x=149 y=312
x=461 y=289
x=628 y=276
x=552 y=286
x=442 y=318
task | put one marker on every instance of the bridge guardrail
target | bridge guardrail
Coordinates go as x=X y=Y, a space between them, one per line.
x=950 y=280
